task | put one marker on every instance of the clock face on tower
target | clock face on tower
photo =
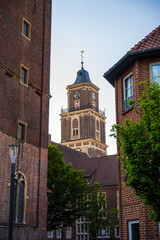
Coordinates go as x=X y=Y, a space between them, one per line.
x=76 y=94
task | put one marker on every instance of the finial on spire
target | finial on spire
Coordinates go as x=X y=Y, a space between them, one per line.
x=82 y=58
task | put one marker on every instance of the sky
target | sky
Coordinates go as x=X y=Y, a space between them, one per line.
x=105 y=30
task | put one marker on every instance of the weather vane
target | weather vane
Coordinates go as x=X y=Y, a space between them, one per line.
x=82 y=58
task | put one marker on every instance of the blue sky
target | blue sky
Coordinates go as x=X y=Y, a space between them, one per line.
x=105 y=30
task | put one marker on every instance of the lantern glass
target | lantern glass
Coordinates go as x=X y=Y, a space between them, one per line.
x=13 y=152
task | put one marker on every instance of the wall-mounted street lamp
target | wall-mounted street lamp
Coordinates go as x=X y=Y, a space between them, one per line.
x=13 y=152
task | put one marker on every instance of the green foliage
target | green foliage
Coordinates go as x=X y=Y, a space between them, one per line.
x=67 y=200
x=97 y=216
x=140 y=149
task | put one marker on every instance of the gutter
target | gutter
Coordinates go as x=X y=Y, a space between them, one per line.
x=127 y=60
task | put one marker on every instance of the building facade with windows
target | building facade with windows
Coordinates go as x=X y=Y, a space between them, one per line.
x=98 y=169
x=83 y=123
x=141 y=63
x=24 y=109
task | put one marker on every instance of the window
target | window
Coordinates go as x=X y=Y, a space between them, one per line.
x=127 y=91
x=58 y=233
x=50 y=234
x=82 y=229
x=103 y=233
x=75 y=127
x=155 y=72
x=75 y=132
x=117 y=231
x=22 y=131
x=97 y=130
x=133 y=227
x=26 y=29
x=19 y=198
x=68 y=233
x=24 y=73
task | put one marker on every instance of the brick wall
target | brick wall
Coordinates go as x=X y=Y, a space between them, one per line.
x=27 y=103
x=131 y=208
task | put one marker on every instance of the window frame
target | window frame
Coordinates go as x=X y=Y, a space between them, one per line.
x=51 y=234
x=129 y=228
x=82 y=233
x=107 y=233
x=16 y=206
x=117 y=236
x=58 y=233
x=24 y=20
x=125 y=105
x=25 y=130
x=150 y=70
x=27 y=77
x=68 y=233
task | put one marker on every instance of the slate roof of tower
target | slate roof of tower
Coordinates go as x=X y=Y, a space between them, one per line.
x=147 y=47
x=101 y=169
x=82 y=76
x=152 y=40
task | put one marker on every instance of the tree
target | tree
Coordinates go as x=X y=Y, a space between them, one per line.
x=66 y=202
x=140 y=149
x=97 y=215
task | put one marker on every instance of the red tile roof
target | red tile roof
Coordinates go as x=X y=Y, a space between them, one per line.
x=152 y=40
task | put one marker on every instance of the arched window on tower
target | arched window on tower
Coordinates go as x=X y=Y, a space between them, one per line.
x=19 y=198
x=97 y=130
x=75 y=127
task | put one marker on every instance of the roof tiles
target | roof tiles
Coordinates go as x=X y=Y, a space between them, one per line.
x=152 y=40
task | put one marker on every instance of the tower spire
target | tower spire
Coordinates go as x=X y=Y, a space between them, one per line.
x=82 y=58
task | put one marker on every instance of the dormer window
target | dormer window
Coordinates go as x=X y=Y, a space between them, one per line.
x=127 y=91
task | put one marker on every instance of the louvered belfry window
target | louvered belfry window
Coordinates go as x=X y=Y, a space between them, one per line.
x=19 y=199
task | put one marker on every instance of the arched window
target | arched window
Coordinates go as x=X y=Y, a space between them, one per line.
x=19 y=198
x=75 y=127
x=97 y=130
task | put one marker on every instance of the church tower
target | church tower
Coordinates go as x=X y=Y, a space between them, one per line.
x=82 y=123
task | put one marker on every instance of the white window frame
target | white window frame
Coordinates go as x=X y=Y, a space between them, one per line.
x=50 y=234
x=68 y=233
x=117 y=236
x=150 y=69
x=82 y=230
x=107 y=233
x=124 y=79
x=129 y=228
x=58 y=233
x=130 y=97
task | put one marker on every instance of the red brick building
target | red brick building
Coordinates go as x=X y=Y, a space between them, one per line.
x=141 y=63
x=24 y=107
x=99 y=169
x=83 y=123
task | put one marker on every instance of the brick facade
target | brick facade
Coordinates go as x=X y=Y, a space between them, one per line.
x=28 y=103
x=131 y=207
x=138 y=63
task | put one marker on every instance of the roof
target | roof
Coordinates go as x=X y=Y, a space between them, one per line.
x=152 y=40
x=82 y=76
x=147 y=47
x=101 y=169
